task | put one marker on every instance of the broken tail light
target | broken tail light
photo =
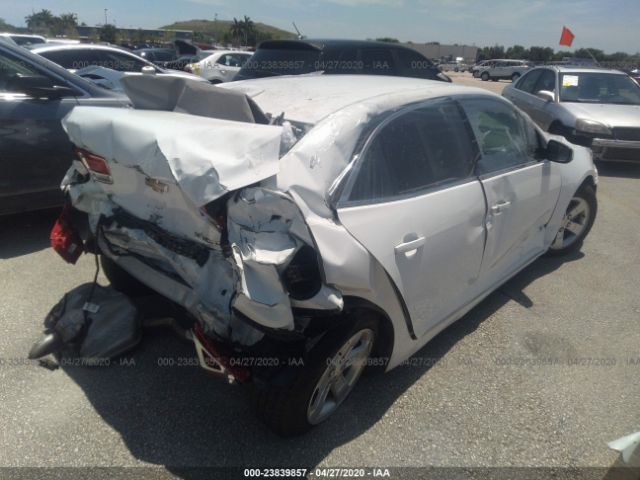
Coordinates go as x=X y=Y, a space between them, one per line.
x=65 y=240
x=96 y=164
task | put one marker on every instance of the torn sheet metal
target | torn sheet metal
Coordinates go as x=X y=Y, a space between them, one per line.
x=207 y=157
x=266 y=229
x=626 y=445
x=182 y=95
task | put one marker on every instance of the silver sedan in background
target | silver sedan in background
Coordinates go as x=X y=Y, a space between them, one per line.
x=593 y=107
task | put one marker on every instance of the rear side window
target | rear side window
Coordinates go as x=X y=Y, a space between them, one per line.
x=69 y=59
x=412 y=64
x=377 y=61
x=528 y=81
x=118 y=61
x=420 y=149
x=547 y=81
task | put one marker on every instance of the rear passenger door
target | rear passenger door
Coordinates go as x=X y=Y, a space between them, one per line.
x=523 y=89
x=413 y=201
x=521 y=189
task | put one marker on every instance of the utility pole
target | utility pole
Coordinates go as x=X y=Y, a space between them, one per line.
x=105 y=16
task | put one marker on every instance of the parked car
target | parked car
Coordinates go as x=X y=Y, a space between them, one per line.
x=347 y=231
x=183 y=60
x=480 y=66
x=593 y=107
x=221 y=66
x=157 y=56
x=23 y=39
x=35 y=94
x=103 y=64
x=503 y=70
x=294 y=57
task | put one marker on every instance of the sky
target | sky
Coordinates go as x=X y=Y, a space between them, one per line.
x=610 y=25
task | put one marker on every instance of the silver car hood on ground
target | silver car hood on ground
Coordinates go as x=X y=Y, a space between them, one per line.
x=610 y=114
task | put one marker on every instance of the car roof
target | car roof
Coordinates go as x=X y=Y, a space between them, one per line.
x=310 y=98
x=79 y=46
x=577 y=69
x=322 y=43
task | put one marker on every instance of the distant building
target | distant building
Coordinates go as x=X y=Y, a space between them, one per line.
x=435 y=50
x=158 y=35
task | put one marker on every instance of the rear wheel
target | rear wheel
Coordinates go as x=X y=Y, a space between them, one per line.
x=576 y=223
x=484 y=76
x=319 y=387
x=121 y=280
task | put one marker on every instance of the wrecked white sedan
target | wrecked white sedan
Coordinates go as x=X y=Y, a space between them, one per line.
x=310 y=226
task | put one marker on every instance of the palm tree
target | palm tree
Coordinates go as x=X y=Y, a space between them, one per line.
x=249 y=29
x=237 y=28
x=42 y=20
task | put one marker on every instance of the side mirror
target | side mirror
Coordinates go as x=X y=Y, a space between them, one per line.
x=148 y=70
x=546 y=95
x=558 y=152
x=39 y=86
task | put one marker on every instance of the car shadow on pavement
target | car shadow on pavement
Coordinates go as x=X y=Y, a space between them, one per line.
x=25 y=233
x=622 y=170
x=170 y=413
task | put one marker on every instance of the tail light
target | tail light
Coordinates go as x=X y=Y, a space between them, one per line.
x=65 y=240
x=96 y=164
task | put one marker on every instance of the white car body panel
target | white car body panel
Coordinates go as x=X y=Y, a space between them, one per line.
x=356 y=248
x=433 y=259
x=520 y=204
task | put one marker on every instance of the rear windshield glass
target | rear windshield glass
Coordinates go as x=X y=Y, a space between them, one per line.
x=594 y=87
x=270 y=62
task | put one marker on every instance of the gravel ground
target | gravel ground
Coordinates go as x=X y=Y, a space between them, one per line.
x=543 y=373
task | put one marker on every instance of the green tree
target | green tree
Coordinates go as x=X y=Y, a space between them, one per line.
x=108 y=33
x=517 y=52
x=236 y=30
x=40 y=22
x=588 y=52
x=540 y=54
x=388 y=40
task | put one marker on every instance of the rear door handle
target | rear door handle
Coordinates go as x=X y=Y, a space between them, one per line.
x=409 y=246
x=498 y=208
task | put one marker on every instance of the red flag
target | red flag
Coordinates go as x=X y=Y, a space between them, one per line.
x=567 y=37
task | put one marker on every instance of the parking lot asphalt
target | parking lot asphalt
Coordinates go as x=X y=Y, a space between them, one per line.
x=544 y=372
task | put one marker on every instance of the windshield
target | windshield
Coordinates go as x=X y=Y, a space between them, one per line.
x=595 y=87
x=288 y=61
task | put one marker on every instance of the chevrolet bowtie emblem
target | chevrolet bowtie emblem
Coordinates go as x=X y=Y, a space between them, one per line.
x=156 y=185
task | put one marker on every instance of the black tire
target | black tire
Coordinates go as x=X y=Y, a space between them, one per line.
x=588 y=195
x=484 y=76
x=122 y=280
x=515 y=77
x=283 y=405
x=215 y=81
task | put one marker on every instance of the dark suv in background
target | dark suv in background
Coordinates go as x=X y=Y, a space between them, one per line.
x=346 y=57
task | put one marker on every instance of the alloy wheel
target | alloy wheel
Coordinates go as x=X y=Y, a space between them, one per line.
x=573 y=225
x=340 y=376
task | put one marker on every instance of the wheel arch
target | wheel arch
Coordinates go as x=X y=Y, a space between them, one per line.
x=383 y=347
